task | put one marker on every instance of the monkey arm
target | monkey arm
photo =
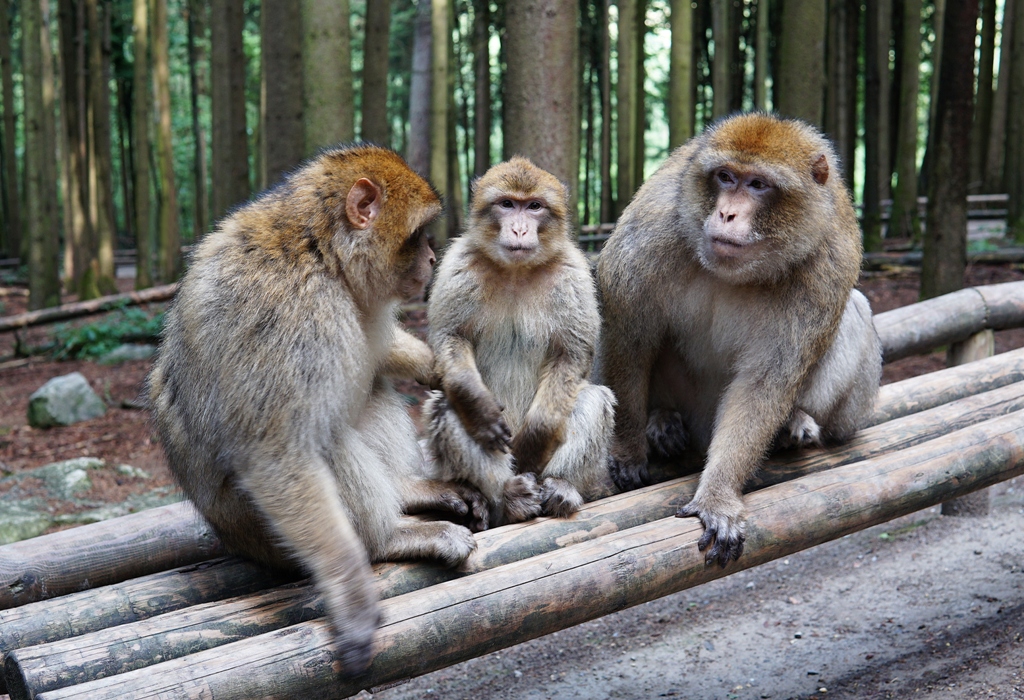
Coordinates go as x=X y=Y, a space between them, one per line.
x=409 y=356
x=465 y=390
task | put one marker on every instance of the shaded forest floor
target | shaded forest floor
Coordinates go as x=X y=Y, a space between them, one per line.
x=855 y=639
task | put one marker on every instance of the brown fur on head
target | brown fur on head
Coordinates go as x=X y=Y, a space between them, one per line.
x=538 y=220
x=358 y=210
x=765 y=185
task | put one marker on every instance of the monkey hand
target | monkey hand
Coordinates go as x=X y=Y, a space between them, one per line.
x=522 y=496
x=488 y=428
x=723 y=520
x=559 y=498
x=355 y=621
x=467 y=502
x=628 y=475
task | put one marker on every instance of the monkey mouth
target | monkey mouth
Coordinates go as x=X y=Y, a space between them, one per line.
x=724 y=247
x=519 y=250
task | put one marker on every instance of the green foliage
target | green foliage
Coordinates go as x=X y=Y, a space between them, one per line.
x=97 y=339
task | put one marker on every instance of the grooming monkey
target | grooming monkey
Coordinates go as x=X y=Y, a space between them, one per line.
x=271 y=392
x=731 y=321
x=514 y=324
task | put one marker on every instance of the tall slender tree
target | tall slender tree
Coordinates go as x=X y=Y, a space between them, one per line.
x=282 y=133
x=101 y=185
x=439 y=111
x=937 y=20
x=762 y=49
x=721 y=66
x=327 y=114
x=983 y=107
x=197 y=88
x=628 y=99
x=841 y=85
x=375 y=126
x=876 y=118
x=230 y=139
x=142 y=95
x=607 y=213
x=40 y=158
x=993 y=175
x=680 y=73
x=168 y=234
x=418 y=153
x=481 y=87
x=11 y=198
x=905 y=220
x=1014 y=158
x=945 y=240
x=800 y=79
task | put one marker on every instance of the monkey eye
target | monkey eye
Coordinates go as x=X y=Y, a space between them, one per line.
x=725 y=177
x=534 y=206
x=506 y=204
x=758 y=185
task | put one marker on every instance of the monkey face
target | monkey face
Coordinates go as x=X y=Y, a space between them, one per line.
x=519 y=222
x=418 y=259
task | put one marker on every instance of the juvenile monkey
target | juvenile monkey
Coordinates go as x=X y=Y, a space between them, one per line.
x=731 y=318
x=514 y=324
x=271 y=392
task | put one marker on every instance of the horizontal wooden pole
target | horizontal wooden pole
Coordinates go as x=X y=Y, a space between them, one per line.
x=105 y=552
x=927 y=325
x=451 y=622
x=130 y=646
x=86 y=308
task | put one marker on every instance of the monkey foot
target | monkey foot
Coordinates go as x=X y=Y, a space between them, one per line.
x=628 y=475
x=800 y=431
x=559 y=498
x=353 y=642
x=723 y=534
x=469 y=503
x=454 y=545
x=522 y=498
x=666 y=434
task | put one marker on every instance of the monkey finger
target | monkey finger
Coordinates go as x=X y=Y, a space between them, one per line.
x=628 y=476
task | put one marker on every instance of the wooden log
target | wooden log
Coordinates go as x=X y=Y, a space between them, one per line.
x=451 y=622
x=86 y=308
x=106 y=552
x=131 y=646
x=141 y=598
x=978 y=347
x=927 y=325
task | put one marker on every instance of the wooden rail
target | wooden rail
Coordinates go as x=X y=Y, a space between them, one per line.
x=101 y=611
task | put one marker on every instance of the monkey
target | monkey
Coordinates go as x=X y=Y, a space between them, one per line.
x=514 y=323
x=272 y=391
x=731 y=320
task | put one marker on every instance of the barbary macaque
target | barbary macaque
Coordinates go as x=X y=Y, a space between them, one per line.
x=731 y=322
x=272 y=395
x=514 y=324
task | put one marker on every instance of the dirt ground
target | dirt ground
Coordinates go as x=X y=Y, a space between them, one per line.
x=922 y=607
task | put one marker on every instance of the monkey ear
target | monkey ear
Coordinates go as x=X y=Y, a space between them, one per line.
x=819 y=171
x=363 y=203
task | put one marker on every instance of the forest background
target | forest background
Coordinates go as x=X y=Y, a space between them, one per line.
x=130 y=125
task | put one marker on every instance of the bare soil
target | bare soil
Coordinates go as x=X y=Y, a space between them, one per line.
x=934 y=609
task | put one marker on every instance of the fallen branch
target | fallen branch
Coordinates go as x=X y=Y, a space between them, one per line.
x=130 y=646
x=86 y=308
x=446 y=624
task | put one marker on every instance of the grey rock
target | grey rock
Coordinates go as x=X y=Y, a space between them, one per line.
x=63 y=401
x=21 y=520
x=65 y=479
x=127 y=353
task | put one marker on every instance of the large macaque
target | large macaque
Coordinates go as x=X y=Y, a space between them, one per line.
x=731 y=319
x=271 y=391
x=514 y=324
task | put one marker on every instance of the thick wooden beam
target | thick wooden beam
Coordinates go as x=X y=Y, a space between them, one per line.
x=105 y=552
x=86 y=308
x=927 y=325
x=130 y=646
x=449 y=623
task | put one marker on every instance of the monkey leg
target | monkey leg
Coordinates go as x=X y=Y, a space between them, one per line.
x=581 y=461
x=298 y=494
x=841 y=389
x=461 y=500
x=460 y=458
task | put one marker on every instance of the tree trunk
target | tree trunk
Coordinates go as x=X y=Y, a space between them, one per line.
x=640 y=75
x=680 y=74
x=123 y=92
x=142 y=93
x=40 y=159
x=876 y=119
x=542 y=88
x=800 y=81
x=102 y=189
x=282 y=136
x=721 y=65
x=762 y=47
x=375 y=125
x=327 y=116
x=945 y=242
x=993 y=176
x=418 y=153
x=230 y=165
x=905 y=222
x=938 y=17
x=608 y=206
x=481 y=87
x=439 y=101
x=1014 y=158
x=168 y=235
x=626 y=107
x=197 y=85
x=73 y=122
x=983 y=106
x=11 y=198
x=841 y=86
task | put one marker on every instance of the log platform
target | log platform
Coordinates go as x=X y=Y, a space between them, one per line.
x=148 y=606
